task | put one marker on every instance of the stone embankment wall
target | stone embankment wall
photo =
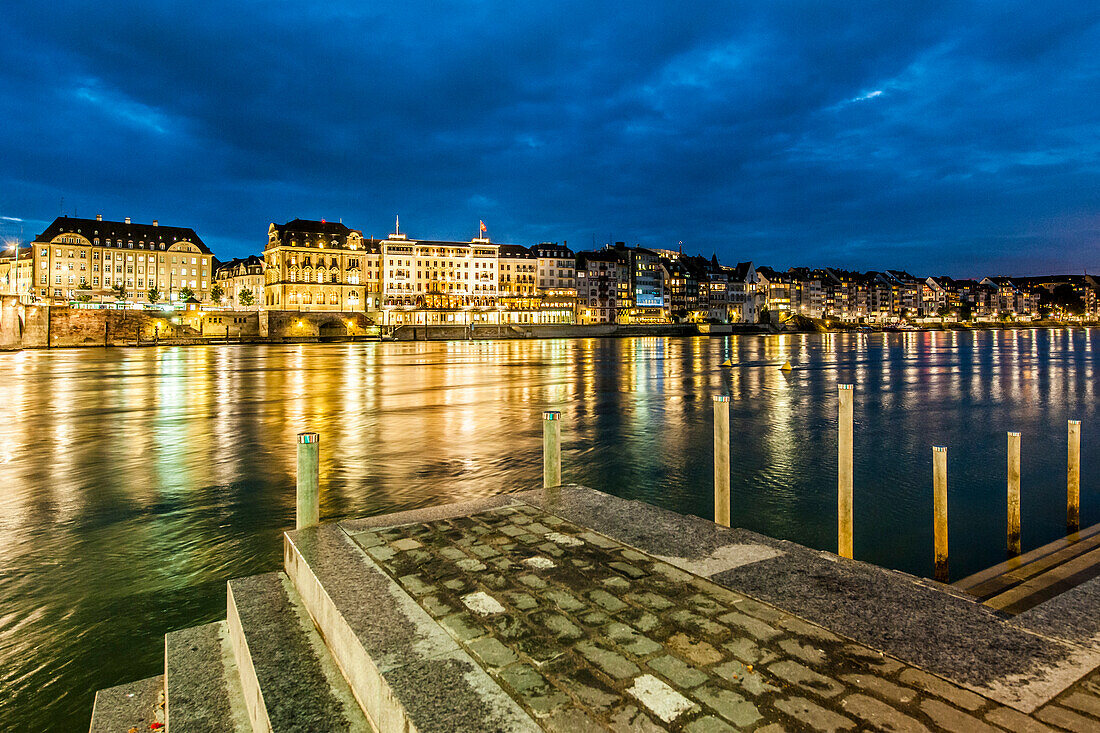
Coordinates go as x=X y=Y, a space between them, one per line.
x=43 y=326
x=297 y=326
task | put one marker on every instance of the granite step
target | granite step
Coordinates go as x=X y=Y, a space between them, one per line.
x=202 y=686
x=388 y=647
x=133 y=705
x=289 y=679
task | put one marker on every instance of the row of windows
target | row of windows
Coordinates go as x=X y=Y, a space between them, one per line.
x=117 y=242
x=83 y=254
x=129 y=281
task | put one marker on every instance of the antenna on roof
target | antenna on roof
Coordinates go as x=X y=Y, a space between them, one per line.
x=397 y=225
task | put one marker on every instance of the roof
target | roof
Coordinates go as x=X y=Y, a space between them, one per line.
x=515 y=251
x=250 y=261
x=601 y=256
x=551 y=249
x=741 y=272
x=120 y=230
x=309 y=226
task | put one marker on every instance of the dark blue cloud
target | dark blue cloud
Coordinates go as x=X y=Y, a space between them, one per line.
x=957 y=137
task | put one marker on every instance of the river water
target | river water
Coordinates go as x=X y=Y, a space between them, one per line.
x=135 y=482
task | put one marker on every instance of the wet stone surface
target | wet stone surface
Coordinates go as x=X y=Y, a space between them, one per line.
x=586 y=633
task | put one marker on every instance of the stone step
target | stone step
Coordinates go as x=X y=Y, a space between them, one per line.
x=290 y=681
x=133 y=705
x=390 y=649
x=202 y=690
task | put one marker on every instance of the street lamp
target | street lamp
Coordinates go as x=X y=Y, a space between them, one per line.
x=13 y=244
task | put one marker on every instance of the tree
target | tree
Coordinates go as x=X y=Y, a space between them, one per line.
x=186 y=293
x=246 y=298
x=217 y=294
x=153 y=295
x=765 y=316
x=1062 y=300
x=119 y=290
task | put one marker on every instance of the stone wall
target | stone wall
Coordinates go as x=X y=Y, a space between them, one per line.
x=295 y=325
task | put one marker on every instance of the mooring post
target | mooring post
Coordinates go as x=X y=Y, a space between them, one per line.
x=1014 y=493
x=309 y=507
x=844 y=470
x=939 y=502
x=1073 y=478
x=722 y=460
x=551 y=449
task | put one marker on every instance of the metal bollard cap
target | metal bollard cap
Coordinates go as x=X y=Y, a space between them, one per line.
x=309 y=437
x=551 y=415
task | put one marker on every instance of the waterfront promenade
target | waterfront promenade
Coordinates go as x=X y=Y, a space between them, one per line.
x=568 y=609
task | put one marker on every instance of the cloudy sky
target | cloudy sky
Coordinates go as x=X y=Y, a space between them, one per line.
x=957 y=138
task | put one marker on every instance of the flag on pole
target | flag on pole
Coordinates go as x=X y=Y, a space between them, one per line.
x=483 y=227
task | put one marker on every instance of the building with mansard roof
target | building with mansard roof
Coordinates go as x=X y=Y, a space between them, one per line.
x=109 y=261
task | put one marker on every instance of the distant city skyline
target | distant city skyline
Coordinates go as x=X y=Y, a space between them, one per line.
x=942 y=138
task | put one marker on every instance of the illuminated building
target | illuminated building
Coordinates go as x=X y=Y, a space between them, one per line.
x=600 y=279
x=518 y=299
x=557 y=266
x=17 y=272
x=319 y=266
x=427 y=282
x=89 y=259
x=239 y=276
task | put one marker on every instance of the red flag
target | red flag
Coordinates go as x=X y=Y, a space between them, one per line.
x=483 y=227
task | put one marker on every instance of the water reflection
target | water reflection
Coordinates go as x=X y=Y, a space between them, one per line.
x=137 y=481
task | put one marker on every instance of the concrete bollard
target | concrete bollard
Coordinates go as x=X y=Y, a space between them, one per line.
x=722 y=460
x=1014 y=493
x=309 y=507
x=844 y=480
x=1073 y=478
x=939 y=503
x=551 y=449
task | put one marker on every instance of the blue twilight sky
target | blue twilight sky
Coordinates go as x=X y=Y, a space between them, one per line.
x=957 y=138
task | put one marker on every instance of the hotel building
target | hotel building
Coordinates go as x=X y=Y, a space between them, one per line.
x=318 y=265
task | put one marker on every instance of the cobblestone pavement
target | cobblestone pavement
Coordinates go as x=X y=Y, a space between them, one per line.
x=588 y=634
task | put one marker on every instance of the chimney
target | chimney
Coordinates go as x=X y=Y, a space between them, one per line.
x=156 y=223
x=127 y=220
x=99 y=217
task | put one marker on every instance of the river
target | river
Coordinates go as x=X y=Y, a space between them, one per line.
x=135 y=482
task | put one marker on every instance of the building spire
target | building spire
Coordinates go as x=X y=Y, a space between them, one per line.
x=397 y=225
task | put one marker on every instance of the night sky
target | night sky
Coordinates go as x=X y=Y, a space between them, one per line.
x=954 y=138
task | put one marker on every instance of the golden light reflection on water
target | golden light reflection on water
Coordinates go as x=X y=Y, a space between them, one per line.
x=138 y=481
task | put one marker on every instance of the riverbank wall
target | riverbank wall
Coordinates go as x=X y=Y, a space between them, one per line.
x=36 y=326
x=33 y=326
